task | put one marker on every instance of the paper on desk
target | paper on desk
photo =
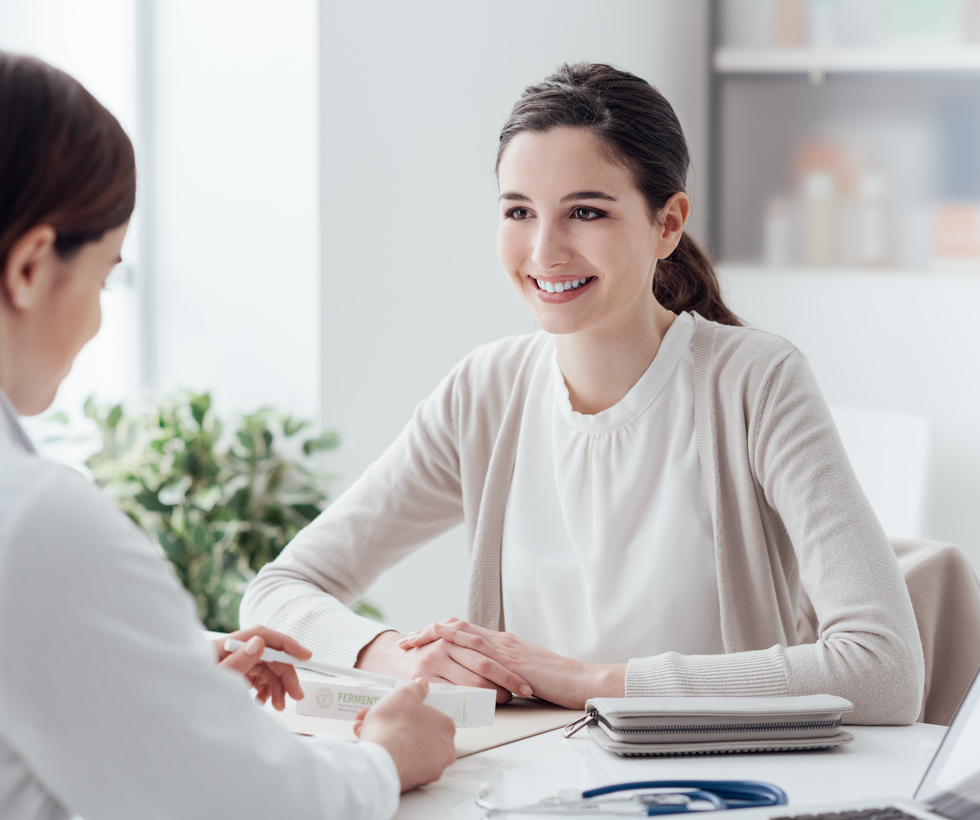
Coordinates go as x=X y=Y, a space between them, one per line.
x=516 y=720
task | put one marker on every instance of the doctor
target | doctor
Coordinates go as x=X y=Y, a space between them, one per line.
x=110 y=706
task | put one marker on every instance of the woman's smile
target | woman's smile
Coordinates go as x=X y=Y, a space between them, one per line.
x=557 y=290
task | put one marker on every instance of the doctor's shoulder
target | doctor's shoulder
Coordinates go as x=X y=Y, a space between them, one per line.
x=60 y=516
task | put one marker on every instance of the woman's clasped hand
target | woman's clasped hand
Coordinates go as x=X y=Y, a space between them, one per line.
x=552 y=677
x=442 y=661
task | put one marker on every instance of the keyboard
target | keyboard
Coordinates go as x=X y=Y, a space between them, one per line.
x=885 y=813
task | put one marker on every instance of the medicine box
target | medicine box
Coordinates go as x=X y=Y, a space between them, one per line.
x=343 y=698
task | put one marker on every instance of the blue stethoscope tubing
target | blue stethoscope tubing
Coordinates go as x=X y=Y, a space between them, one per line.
x=731 y=794
x=719 y=794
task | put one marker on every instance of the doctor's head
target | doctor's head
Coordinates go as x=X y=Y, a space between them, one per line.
x=67 y=190
x=592 y=167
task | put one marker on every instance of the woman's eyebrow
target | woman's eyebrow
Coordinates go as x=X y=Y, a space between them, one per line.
x=588 y=195
x=516 y=197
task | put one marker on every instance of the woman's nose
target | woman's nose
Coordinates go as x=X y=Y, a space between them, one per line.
x=551 y=246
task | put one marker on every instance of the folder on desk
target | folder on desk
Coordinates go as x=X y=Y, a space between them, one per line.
x=521 y=718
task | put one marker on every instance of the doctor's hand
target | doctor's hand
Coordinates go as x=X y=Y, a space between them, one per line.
x=553 y=677
x=274 y=680
x=418 y=738
x=443 y=662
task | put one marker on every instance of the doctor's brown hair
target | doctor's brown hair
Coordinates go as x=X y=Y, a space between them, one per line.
x=639 y=129
x=65 y=161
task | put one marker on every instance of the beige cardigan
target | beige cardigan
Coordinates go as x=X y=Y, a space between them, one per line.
x=785 y=505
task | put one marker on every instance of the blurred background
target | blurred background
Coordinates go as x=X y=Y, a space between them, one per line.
x=317 y=219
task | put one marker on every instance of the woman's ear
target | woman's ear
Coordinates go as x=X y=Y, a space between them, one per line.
x=28 y=255
x=673 y=216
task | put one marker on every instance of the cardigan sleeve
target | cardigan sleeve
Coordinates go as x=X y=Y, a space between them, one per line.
x=789 y=502
x=410 y=495
x=868 y=648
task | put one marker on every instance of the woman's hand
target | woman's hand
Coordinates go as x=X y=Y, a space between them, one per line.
x=443 y=662
x=274 y=680
x=555 y=678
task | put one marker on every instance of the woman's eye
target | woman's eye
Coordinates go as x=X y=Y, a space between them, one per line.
x=586 y=214
x=518 y=213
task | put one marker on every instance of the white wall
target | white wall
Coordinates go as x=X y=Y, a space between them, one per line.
x=236 y=198
x=413 y=96
x=903 y=342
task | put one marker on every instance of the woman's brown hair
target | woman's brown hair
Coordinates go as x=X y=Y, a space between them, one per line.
x=640 y=130
x=64 y=159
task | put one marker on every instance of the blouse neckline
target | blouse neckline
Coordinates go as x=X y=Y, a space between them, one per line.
x=676 y=341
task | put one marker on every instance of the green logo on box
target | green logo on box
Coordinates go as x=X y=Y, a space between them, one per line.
x=324 y=698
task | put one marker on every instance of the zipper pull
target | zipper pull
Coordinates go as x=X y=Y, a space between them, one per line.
x=575 y=725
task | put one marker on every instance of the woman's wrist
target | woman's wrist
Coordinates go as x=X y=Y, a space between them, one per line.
x=381 y=654
x=605 y=680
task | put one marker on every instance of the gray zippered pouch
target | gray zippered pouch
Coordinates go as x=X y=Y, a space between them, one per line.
x=695 y=725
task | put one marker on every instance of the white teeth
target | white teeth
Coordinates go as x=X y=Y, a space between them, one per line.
x=560 y=287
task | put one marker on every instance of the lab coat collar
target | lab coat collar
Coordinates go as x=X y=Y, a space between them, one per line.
x=10 y=426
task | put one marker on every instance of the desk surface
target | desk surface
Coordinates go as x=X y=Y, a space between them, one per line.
x=882 y=761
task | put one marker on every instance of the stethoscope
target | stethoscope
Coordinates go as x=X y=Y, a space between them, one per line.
x=652 y=797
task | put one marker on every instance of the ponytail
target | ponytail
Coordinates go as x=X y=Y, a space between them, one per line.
x=686 y=280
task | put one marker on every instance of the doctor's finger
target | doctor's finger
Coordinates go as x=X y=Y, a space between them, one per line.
x=244 y=660
x=290 y=680
x=274 y=639
x=277 y=692
x=489 y=669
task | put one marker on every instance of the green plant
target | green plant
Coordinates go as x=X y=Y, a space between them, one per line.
x=221 y=499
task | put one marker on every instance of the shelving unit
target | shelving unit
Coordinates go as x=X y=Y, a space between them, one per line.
x=900 y=101
x=824 y=61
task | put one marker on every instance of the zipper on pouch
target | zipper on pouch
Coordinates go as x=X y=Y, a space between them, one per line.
x=594 y=717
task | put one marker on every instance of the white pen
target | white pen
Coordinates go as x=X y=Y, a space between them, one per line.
x=327 y=668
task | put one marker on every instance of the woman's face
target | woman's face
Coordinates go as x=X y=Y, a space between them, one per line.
x=67 y=314
x=575 y=236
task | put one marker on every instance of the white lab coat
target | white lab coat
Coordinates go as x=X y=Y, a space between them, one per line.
x=110 y=703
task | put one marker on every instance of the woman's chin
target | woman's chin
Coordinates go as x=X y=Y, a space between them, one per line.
x=557 y=325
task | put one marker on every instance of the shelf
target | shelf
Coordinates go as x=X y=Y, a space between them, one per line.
x=817 y=62
x=967 y=269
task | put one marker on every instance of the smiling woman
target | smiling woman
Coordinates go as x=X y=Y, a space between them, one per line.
x=648 y=487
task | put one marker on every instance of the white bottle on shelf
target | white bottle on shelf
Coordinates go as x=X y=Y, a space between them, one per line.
x=822 y=14
x=777 y=233
x=870 y=214
x=819 y=223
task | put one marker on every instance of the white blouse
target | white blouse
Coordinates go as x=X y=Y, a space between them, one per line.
x=608 y=548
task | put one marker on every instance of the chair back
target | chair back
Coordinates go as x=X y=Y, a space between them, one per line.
x=945 y=593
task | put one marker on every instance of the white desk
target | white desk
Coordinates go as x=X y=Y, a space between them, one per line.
x=882 y=761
